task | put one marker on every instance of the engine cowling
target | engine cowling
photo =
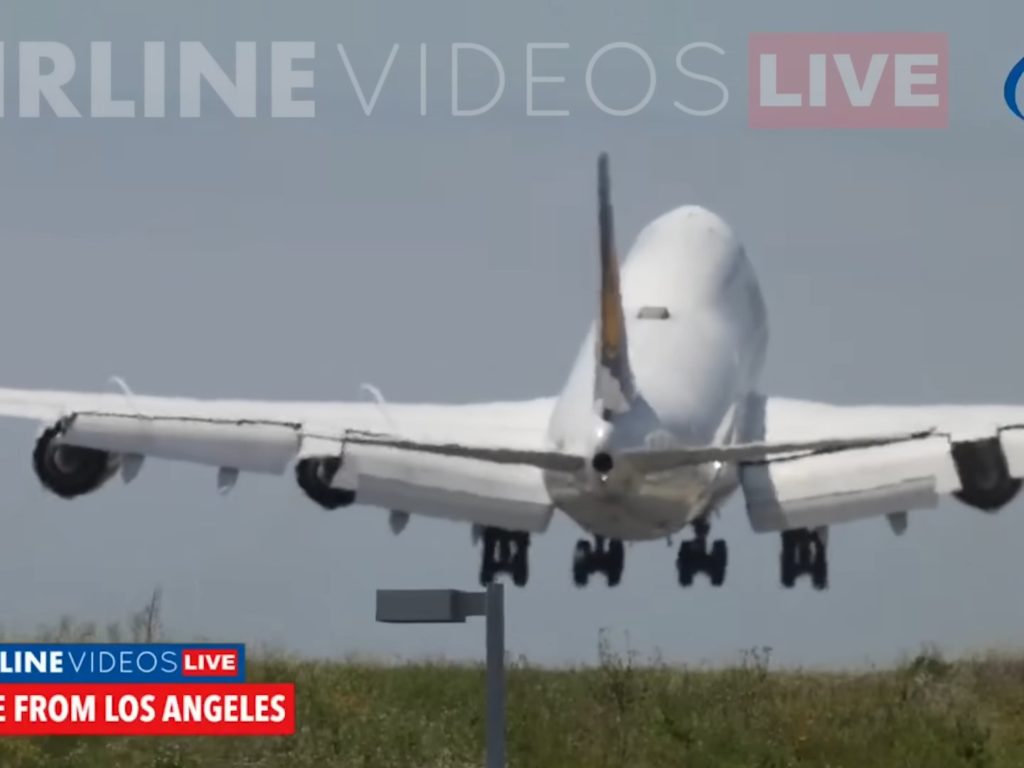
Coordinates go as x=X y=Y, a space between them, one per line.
x=315 y=477
x=69 y=470
x=985 y=479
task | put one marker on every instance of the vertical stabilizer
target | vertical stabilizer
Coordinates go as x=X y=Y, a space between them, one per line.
x=613 y=379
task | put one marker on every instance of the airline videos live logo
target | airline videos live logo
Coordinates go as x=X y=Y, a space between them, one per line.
x=210 y=662
x=141 y=689
x=839 y=80
x=121 y=663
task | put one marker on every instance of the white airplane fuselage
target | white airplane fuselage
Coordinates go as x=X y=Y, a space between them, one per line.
x=698 y=333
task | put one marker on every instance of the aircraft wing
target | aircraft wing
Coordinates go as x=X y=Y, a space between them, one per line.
x=883 y=460
x=402 y=457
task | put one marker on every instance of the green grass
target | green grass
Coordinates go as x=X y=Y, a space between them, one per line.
x=621 y=713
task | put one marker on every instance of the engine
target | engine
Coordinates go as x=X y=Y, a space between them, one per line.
x=68 y=470
x=315 y=477
x=985 y=479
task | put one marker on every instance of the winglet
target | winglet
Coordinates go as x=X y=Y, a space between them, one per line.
x=613 y=379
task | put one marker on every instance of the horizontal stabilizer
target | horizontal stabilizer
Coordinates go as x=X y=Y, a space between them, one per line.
x=665 y=459
x=553 y=461
x=643 y=461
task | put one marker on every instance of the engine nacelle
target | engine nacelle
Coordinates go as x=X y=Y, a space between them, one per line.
x=69 y=470
x=315 y=477
x=985 y=478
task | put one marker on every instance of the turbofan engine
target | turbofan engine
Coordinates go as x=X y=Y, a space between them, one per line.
x=985 y=478
x=69 y=470
x=315 y=477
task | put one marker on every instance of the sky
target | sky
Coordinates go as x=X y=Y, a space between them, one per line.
x=433 y=256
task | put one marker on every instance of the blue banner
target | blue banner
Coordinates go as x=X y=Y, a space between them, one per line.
x=122 y=663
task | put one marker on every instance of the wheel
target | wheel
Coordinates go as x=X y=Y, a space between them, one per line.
x=581 y=560
x=819 y=571
x=488 y=539
x=487 y=557
x=486 y=574
x=685 y=572
x=521 y=562
x=786 y=567
x=520 y=572
x=719 y=561
x=805 y=553
x=686 y=562
x=616 y=560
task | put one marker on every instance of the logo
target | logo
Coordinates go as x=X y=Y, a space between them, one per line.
x=810 y=80
x=148 y=689
x=127 y=663
x=1010 y=88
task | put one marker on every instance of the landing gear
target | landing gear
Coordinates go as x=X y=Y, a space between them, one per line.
x=601 y=556
x=694 y=557
x=804 y=551
x=505 y=552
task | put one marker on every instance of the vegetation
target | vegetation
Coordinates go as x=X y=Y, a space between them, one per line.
x=928 y=712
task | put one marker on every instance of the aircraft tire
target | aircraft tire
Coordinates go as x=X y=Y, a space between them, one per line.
x=581 y=563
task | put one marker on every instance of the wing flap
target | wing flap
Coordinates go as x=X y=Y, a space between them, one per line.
x=245 y=446
x=490 y=486
x=1012 y=441
x=826 y=489
x=851 y=482
x=509 y=496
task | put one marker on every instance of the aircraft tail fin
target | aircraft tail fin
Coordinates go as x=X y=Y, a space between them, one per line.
x=613 y=379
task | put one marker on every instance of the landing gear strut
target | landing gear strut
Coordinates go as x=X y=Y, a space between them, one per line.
x=601 y=556
x=505 y=552
x=694 y=557
x=804 y=551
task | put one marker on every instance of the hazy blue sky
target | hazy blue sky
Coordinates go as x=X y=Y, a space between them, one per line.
x=432 y=256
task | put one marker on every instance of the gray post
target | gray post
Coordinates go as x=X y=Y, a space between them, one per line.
x=445 y=606
x=495 y=619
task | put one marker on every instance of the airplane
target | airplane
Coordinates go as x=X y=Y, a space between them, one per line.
x=660 y=422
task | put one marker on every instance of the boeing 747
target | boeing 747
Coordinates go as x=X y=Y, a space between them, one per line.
x=660 y=421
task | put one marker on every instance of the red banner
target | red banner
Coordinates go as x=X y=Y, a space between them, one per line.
x=159 y=709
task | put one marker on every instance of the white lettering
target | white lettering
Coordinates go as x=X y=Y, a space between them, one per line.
x=154 y=68
x=817 y=75
x=423 y=79
x=34 y=86
x=457 y=48
x=284 y=79
x=102 y=80
x=651 y=72
x=770 y=96
x=907 y=78
x=199 y=66
x=367 y=105
x=703 y=79
x=861 y=94
x=531 y=78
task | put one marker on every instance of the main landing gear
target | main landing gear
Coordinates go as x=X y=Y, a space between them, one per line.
x=505 y=552
x=695 y=557
x=605 y=556
x=804 y=551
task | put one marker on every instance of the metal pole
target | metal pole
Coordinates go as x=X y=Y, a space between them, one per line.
x=495 y=676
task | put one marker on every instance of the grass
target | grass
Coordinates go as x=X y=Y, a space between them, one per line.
x=926 y=713
x=622 y=712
